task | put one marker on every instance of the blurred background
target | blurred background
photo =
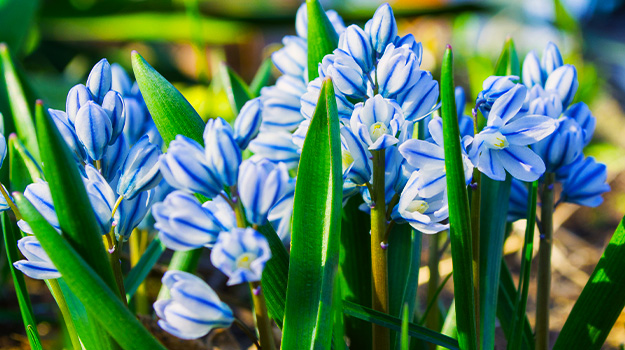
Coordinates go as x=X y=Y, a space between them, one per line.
x=56 y=42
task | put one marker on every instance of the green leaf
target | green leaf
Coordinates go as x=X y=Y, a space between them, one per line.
x=394 y=323
x=237 y=90
x=24 y=169
x=322 y=38
x=459 y=218
x=601 y=302
x=172 y=113
x=404 y=343
x=17 y=17
x=98 y=298
x=355 y=269
x=139 y=272
x=11 y=235
x=275 y=275
x=508 y=62
x=262 y=77
x=505 y=308
x=71 y=203
x=450 y=328
x=524 y=275
x=20 y=111
x=316 y=231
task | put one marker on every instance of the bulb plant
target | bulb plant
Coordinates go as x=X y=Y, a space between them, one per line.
x=354 y=141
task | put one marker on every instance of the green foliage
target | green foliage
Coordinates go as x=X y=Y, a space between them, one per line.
x=237 y=90
x=17 y=17
x=262 y=77
x=139 y=272
x=322 y=38
x=23 y=170
x=275 y=275
x=506 y=302
x=316 y=231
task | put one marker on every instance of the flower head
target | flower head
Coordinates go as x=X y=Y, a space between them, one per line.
x=376 y=122
x=398 y=70
x=563 y=146
x=241 y=254
x=424 y=214
x=247 y=124
x=99 y=80
x=585 y=182
x=261 y=184
x=94 y=129
x=140 y=171
x=37 y=264
x=77 y=97
x=382 y=28
x=221 y=150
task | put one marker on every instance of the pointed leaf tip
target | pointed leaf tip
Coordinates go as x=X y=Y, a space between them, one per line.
x=448 y=47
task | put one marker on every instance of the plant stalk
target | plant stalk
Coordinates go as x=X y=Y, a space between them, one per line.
x=53 y=284
x=263 y=322
x=379 y=258
x=476 y=199
x=432 y=320
x=544 y=263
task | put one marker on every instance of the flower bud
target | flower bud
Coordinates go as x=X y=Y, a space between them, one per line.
x=347 y=76
x=135 y=119
x=184 y=224
x=241 y=254
x=68 y=134
x=38 y=194
x=281 y=104
x=517 y=206
x=585 y=183
x=120 y=81
x=293 y=57
x=101 y=197
x=409 y=41
x=532 y=71
x=376 y=122
x=113 y=104
x=247 y=124
x=310 y=98
x=77 y=97
x=418 y=101
x=99 y=80
x=301 y=21
x=140 y=171
x=37 y=264
x=581 y=113
x=563 y=80
x=194 y=308
x=423 y=214
x=221 y=151
x=563 y=146
x=493 y=88
x=552 y=59
x=276 y=146
x=132 y=211
x=184 y=167
x=261 y=184
x=382 y=28
x=113 y=160
x=398 y=70
x=356 y=42
x=94 y=129
x=356 y=158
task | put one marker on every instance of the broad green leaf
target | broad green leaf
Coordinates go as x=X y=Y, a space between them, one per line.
x=322 y=38
x=71 y=203
x=459 y=218
x=24 y=169
x=601 y=302
x=355 y=269
x=505 y=308
x=237 y=90
x=20 y=111
x=275 y=275
x=139 y=272
x=11 y=235
x=262 y=77
x=98 y=298
x=515 y=341
x=316 y=231
x=394 y=323
x=17 y=18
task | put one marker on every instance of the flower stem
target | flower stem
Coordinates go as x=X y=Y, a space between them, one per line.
x=53 y=284
x=544 y=263
x=432 y=320
x=263 y=322
x=379 y=259
x=247 y=332
x=475 y=242
x=18 y=215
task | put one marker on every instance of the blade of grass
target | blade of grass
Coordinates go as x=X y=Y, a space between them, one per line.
x=459 y=217
x=316 y=231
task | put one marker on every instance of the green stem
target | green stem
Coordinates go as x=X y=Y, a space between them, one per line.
x=476 y=199
x=116 y=265
x=18 y=215
x=544 y=263
x=53 y=284
x=432 y=320
x=263 y=322
x=379 y=259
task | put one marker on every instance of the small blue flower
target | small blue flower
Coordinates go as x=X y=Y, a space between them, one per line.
x=4 y=206
x=346 y=74
x=563 y=146
x=419 y=100
x=392 y=174
x=382 y=28
x=194 y=308
x=101 y=197
x=502 y=145
x=533 y=74
x=221 y=150
x=552 y=59
x=563 y=80
x=356 y=158
x=136 y=119
x=99 y=80
x=37 y=264
x=397 y=70
x=94 y=129
x=185 y=167
x=77 y=97
x=132 y=211
x=68 y=134
x=281 y=104
x=261 y=184
x=140 y=171
x=517 y=206
x=3 y=149
x=113 y=159
x=247 y=124
x=544 y=102
x=113 y=104
x=581 y=113
x=38 y=194
x=585 y=183
x=281 y=214
x=376 y=122
x=410 y=42
x=293 y=57
x=423 y=214
x=120 y=81
x=241 y=254
x=184 y=224
x=356 y=42
x=310 y=98
x=493 y=88
x=465 y=122
x=301 y=21
x=276 y=146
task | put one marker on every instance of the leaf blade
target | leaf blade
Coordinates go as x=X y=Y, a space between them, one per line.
x=322 y=38
x=237 y=90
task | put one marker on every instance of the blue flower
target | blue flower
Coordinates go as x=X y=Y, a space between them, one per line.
x=185 y=167
x=419 y=100
x=276 y=146
x=68 y=134
x=382 y=28
x=585 y=183
x=94 y=129
x=120 y=81
x=38 y=194
x=581 y=113
x=493 y=88
x=409 y=41
x=517 y=206
x=37 y=264
x=301 y=21
x=281 y=104
x=247 y=124
x=310 y=98
x=281 y=213
x=552 y=59
x=241 y=254
x=423 y=214
x=376 y=122
x=221 y=150
x=347 y=75
x=3 y=202
x=77 y=97
x=113 y=159
x=535 y=71
x=465 y=122
x=132 y=211
x=261 y=184
x=564 y=82
x=356 y=42
x=136 y=120
x=140 y=171
x=184 y=224
x=101 y=197
x=99 y=80
x=194 y=308
x=544 y=102
x=356 y=158
x=393 y=178
x=397 y=70
x=563 y=146
x=293 y=57
x=113 y=104
x=502 y=145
